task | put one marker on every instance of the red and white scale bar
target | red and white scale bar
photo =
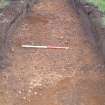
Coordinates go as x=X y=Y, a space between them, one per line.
x=44 y=47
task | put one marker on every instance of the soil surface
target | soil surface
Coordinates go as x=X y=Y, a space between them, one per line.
x=95 y=16
x=51 y=76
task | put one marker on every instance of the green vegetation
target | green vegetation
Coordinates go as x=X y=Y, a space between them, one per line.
x=99 y=3
x=101 y=6
x=4 y=3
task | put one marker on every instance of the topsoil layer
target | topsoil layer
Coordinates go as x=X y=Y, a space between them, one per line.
x=94 y=18
x=9 y=19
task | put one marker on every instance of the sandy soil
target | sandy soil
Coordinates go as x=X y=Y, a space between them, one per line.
x=52 y=76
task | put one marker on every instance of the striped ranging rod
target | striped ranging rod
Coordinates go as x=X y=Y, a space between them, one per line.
x=44 y=47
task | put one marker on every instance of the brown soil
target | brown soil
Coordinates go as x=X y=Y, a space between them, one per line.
x=51 y=76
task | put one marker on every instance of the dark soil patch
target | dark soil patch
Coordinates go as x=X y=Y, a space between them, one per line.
x=91 y=18
x=9 y=19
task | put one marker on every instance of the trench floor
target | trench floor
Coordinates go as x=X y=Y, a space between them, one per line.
x=53 y=76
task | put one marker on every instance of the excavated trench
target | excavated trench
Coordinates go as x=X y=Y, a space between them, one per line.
x=51 y=76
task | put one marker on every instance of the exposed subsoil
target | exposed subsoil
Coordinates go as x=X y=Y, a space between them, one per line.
x=52 y=76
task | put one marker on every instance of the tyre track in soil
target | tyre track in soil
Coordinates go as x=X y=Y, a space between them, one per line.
x=48 y=76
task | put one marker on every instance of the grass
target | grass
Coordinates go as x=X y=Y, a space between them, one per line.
x=4 y=3
x=99 y=3
x=101 y=6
